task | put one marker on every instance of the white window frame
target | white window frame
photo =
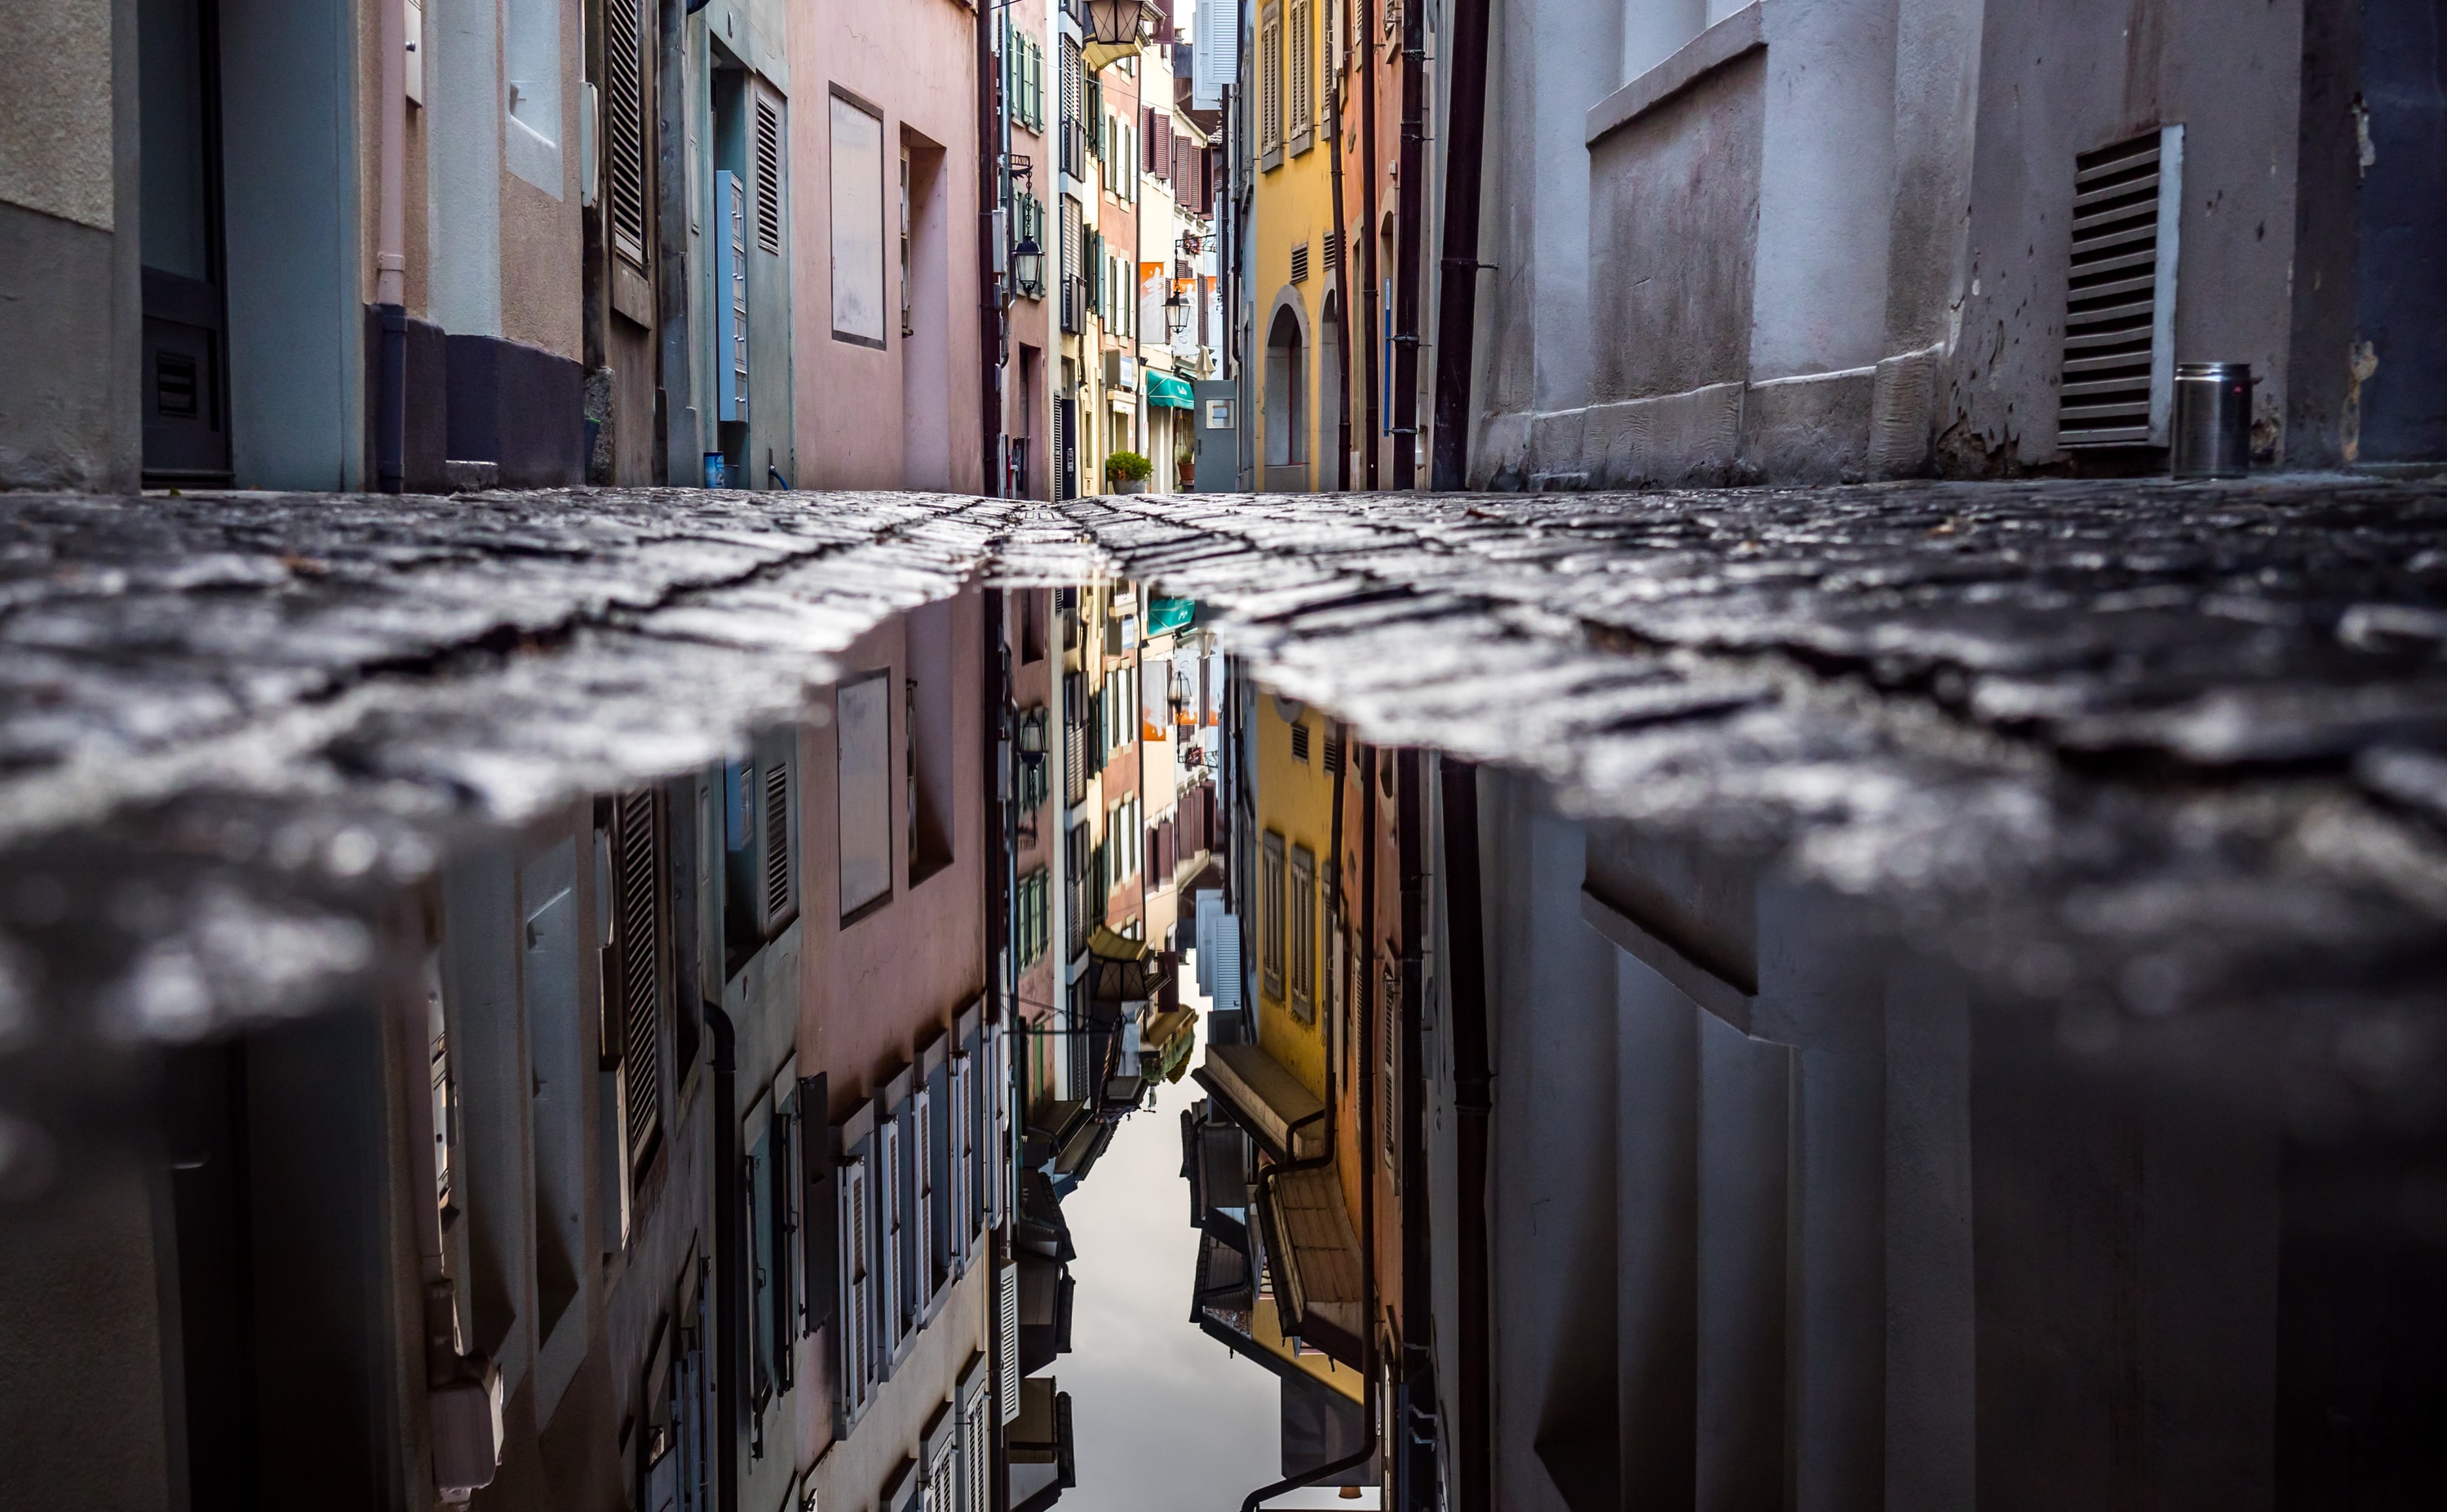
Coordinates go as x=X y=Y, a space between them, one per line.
x=962 y=1117
x=857 y=1300
x=921 y=1192
x=889 y=1235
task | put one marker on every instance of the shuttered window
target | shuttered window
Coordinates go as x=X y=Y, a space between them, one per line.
x=1270 y=83
x=1299 y=90
x=635 y=954
x=1271 y=904
x=923 y=1135
x=995 y=1088
x=858 y=1291
x=889 y=1250
x=2116 y=382
x=769 y=177
x=624 y=123
x=1302 y=942
x=959 y=1129
x=780 y=853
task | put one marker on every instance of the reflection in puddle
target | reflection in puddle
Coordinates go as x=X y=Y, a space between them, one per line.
x=1053 y=1069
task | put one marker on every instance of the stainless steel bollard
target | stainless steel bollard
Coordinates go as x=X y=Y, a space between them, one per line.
x=2212 y=426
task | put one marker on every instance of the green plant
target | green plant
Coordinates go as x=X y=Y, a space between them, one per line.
x=1127 y=467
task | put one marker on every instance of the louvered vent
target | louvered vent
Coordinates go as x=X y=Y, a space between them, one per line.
x=1300 y=263
x=1333 y=753
x=637 y=932
x=1299 y=742
x=768 y=178
x=624 y=110
x=777 y=843
x=2119 y=296
x=1333 y=251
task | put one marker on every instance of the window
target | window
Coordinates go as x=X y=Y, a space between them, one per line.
x=891 y=1252
x=858 y=223
x=959 y=1131
x=1302 y=965
x=531 y=69
x=1033 y=926
x=632 y=854
x=926 y=725
x=1270 y=83
x=923 y=1154
x=861 y=725
x=1298 y=89
x=1121 y=825
x=857 y=1341
x=624 y=123
x=769 y=175
x=1271 y=905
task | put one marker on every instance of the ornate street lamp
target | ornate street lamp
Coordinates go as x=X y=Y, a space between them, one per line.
x=1176 y=313
x=1113 y=28
x=1027 y=265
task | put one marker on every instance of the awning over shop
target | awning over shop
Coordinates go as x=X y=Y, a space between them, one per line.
x=1320 y=1275
x=1265 y=1099
x=1167 y=1042
x=1169 y=613
x=1164 y=388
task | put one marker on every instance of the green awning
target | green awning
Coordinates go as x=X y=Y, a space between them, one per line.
x=1169 y=613
x=1164 y=388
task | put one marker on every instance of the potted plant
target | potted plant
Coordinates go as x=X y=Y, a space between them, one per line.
x=1127 y=471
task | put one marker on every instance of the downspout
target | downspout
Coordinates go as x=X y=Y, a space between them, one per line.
x=1411 y=1479
x=1368 y=241
x=990 y=179
x=391 y=256
x=1341 y=234
x=1411 y=201
x=1467 y=980
x=1000 y=794
x=731 y=1262
x=1457 y=289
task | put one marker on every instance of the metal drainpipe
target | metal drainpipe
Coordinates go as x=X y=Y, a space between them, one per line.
x=1465 y=975
x=1411 y=1327
x=730 y=1261
x=1457 y=284
x=1367 y=242
x=1341 y=289
x=989 y=175
x=1413 y=202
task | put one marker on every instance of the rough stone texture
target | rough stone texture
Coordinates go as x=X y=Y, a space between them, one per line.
x=2160 y=759
x=233 y=728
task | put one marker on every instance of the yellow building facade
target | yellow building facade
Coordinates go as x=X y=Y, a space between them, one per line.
x=1296 y=317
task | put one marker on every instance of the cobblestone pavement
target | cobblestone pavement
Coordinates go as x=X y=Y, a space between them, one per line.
x=2155 y=755
x=2158 y=755
x=232 y=726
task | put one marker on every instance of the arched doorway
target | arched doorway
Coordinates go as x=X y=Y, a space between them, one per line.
x=1286 y=404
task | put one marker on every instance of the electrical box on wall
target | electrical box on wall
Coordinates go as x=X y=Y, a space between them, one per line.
x=414 y=42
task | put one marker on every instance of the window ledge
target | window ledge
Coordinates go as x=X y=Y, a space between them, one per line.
x=531 y=155
x=1271 y=160
x=1736 y=37
x=1302 y=143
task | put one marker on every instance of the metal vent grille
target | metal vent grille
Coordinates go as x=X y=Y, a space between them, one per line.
x=1333 y=251
x=2119 y=293
x=1299 y=742
x=624 y=110
x=1300 y=263
x=768 y=178
x=637 y=932
x=777 y=843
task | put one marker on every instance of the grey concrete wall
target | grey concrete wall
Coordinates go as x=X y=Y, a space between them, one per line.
x=2060 y=80
x=69 y=285
x=1672 y=236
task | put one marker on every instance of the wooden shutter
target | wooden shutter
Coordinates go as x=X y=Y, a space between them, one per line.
x=922 y=1238
x=820 y=1238
x=769 y=177
x=778 y=835
x=624 y=126
x=638 y=949
x=889 y=1249
x=856 y=1226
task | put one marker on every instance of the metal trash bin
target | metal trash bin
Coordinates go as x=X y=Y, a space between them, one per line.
x=2213 y=423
